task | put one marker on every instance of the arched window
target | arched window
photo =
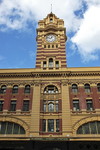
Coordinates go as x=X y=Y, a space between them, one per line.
x=44 y=64
x=87 y=88
x=98 y=87
x=51 y=63
x=89 y=128
x=51 y=107
x=27 y=89
x=51 y=20
x=3 y=89
x=11 y=128
x=74 y=88
x=51 y=89
x=15 y=89
x=57 y=64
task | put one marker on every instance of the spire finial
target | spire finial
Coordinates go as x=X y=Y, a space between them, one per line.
x=51 y=8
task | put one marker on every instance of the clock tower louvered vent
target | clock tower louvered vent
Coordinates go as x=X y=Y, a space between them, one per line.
x=51 y=43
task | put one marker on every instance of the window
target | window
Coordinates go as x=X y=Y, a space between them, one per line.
x=44 y=106
x=98 y=87
x=74 y=88
x=27 y=89
x=15 y=89
x=43 y=125
x=51 y=89
x=25 y=105
x=51 y=125
x=56 y=45
x=13 y=105
x=87 y=88
x=57 y=64
x=76 y=105
x=56 y=106
x=51 y=63
x=3 y=89
x=1 y=105
x=51 y=20
x=89 y=105
x=44 y=64
x=52 y=46
x=48 y=46
x=50 y=106
x=57 y=125
x=11 y=128
x=89 y=128
x=44 y=46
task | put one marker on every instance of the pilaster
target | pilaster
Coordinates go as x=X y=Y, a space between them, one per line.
x=35 y=115
x=66 y=116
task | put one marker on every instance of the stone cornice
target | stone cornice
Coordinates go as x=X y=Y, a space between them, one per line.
x=17 y=82
x=43 y=74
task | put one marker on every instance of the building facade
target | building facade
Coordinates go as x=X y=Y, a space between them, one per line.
x=51 y=106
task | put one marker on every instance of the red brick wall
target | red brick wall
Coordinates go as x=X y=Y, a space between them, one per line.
x=19 y=97
x=82 y=96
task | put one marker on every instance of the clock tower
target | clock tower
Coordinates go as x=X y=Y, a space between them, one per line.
x=51 y=43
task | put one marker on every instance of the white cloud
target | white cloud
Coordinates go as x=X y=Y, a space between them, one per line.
x=87 y=37
x=15 y=15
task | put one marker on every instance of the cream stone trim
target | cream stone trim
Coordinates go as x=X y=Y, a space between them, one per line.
x=20 y=83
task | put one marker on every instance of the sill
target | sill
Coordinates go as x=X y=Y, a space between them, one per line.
x=25 y=111
x=56 y=112
x=26 y=93
x=50 y=133
x=90 y=111
x=11 y=112
x=76 y=111
x=44 y=68
x=50 y=67
x=50 y=93
x=15 y=112
x=14 y=93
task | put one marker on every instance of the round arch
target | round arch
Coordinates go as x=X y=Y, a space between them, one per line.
x=44 y=86
x=16 y=120
x=83 y=121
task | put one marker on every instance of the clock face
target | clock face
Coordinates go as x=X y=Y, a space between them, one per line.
x=50 y=38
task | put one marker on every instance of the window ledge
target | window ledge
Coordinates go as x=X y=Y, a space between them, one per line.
x=90 y=111
x=50 y=133
x=50 y=113
x=76 y=111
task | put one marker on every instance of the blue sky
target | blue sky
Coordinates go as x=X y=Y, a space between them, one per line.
x=18 y=23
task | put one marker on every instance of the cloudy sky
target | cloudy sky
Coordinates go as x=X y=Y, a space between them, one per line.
x=18 y=23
